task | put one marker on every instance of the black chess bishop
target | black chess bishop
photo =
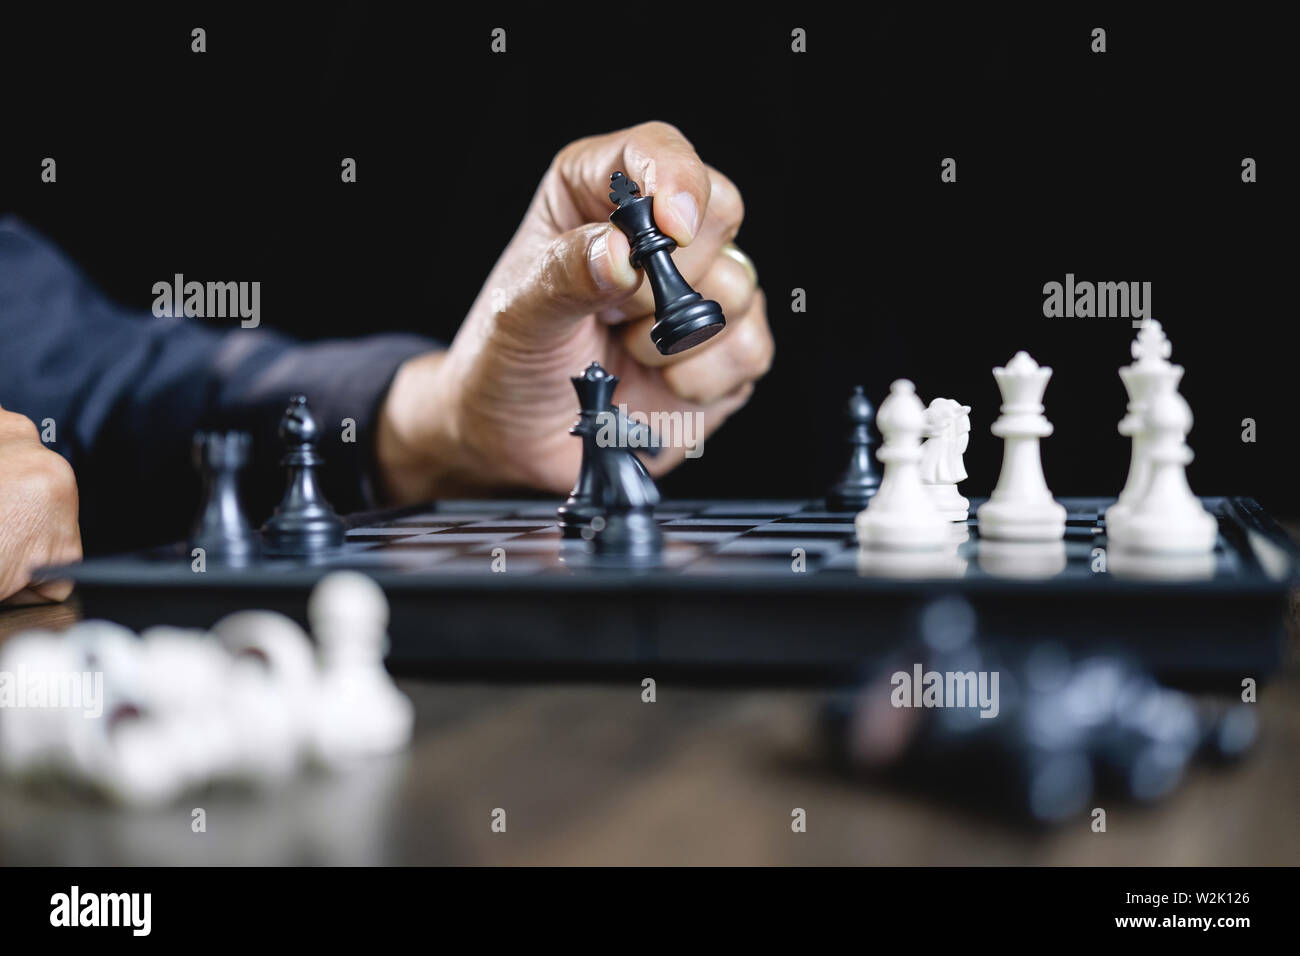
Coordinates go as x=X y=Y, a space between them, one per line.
x=304 y=523
x=860 y=479
x=614 y=498
x=222 y=529
x=683 y=317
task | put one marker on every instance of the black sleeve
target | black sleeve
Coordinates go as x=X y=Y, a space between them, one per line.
x=120 y=393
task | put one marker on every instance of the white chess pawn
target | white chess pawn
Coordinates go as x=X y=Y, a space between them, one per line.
x=947 y=430
x=1150 y=372
x=32 y=733
x=129 y=753
x=1166 y=518
x=1021 y=508
x=272 y=694
x=359 y=711
x=901 y=515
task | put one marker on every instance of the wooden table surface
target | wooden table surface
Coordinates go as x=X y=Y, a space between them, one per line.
x=589 y=774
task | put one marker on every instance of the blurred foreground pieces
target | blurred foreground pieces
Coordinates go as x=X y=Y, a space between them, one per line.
x=145 y=719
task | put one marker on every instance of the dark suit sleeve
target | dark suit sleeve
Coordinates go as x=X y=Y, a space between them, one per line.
x=122 y=392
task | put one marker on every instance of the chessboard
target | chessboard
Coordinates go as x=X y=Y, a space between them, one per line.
x=743 y=589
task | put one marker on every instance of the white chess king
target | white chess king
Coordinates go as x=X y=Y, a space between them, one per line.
x=901 y=515
x=1150 y=372
x=1165 y=517
x=1021 y=508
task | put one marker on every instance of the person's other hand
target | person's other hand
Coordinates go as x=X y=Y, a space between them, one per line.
x=493 y=411
x=38 y=513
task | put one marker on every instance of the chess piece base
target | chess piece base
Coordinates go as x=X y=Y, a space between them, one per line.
x=1019 y=521
x=1193 y=532
x=951 y=504
x=574 y=515
x=896 y=532
x=301 y=535
x=686 y=323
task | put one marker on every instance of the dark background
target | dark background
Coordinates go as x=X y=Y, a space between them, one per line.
x=1123 y=166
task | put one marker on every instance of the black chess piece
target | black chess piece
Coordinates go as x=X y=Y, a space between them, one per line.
x=626 y=527
x=860 y=480
x=222 y=529
x=684 y=318
x=595 y=388
x=304 y=523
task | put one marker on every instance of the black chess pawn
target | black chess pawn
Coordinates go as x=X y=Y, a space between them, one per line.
x=684 y=318
x=860 y=479
x=595 y=388
x=304 y=523
x=222 y=529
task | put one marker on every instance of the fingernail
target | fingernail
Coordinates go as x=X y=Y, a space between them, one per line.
x=687 y=211
x=610 y=274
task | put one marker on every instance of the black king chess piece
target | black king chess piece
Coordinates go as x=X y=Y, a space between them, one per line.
x=304 y=523
x=860 y=480
x=683 y=317
x=222 y=530
x=614 y=498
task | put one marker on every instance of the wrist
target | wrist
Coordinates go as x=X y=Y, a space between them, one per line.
x=417 y=448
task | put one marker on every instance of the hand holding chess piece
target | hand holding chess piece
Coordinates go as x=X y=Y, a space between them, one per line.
x=565 y=291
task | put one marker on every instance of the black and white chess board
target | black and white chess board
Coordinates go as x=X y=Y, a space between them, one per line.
x=772 y=589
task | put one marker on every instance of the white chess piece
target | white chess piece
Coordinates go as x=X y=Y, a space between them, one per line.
x=1166 y=518
x=272 y=694
x=1021 y=508
x=359 y=710
x=1150 y=372
x=947 y=430
x=130 y=752
x=901 y=515
x=32 y=733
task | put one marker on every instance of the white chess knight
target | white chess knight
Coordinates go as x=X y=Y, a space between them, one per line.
x=1021 y=508
x=1150 y=372
x=901 y=515
x=1165 y=517
x=947 y=431
x=359 y=710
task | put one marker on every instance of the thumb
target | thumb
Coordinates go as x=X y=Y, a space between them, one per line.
x=582 y=271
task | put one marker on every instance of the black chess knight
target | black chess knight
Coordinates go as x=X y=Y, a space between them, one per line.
x=614 y=498
x=683 y=317
x=304 y=523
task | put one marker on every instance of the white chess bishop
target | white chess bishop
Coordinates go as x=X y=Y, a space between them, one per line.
x=947 y=430
x=901 y=515
x=1165 y=517
x=1150 y=372
x=1021 y=508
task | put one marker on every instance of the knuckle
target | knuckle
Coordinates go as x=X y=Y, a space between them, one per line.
x=659 y=129
x=726 y=204
x=754 y=350
x=18 y=427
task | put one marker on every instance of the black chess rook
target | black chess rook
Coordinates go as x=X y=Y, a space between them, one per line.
x=222 y=529
x=304 y=523
x=683 y=317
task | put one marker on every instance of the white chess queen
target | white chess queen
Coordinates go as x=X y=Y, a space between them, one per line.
x=947 y=429
x=1021 y=508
